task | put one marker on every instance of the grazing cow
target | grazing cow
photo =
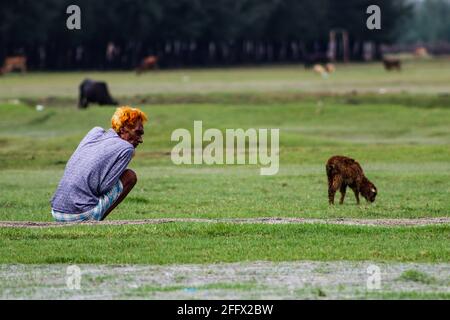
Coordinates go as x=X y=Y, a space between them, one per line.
x=391 y=64
x=421 y=52
x=14 y=63
x=94 y=92
x=320 y=70
x=148 y=63
x=330 y=68
x=343 y=172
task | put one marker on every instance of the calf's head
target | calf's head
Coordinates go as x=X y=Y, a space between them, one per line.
x=368 y=190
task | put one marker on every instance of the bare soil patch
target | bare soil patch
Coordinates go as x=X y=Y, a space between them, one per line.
x=244 y=280
x=268 y=220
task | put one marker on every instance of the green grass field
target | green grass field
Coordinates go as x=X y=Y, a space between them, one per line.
x=189 y=243
x=401 y=138
x=404 y=150
x=428 y=76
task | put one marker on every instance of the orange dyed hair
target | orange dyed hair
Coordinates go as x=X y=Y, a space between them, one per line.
x=127 y=117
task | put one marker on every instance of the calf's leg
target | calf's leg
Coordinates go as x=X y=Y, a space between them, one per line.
x=333 y=186
x=356 y=191
x=342 y=190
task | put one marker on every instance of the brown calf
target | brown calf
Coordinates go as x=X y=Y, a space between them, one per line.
x=14 y=63
x=343 y=172
x=147 y=63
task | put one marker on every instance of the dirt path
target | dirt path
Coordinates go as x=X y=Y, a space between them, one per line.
x=270 y=220
x=243 y=280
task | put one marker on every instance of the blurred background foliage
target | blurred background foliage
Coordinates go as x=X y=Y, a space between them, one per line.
x=203 y=32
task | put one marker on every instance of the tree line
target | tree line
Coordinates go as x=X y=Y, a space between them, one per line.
x=429 y=22
x=117 y=34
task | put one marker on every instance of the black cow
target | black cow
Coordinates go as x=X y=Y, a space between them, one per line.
x=392 y=64
x=94 y=92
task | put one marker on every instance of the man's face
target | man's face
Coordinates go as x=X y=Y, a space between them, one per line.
x=133 y=134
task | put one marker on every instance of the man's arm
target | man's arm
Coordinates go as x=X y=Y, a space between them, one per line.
x=116 y=171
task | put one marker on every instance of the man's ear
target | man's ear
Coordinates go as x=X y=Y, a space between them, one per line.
x=121 y=131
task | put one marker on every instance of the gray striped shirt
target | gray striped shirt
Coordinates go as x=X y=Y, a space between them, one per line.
x=94 y=168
